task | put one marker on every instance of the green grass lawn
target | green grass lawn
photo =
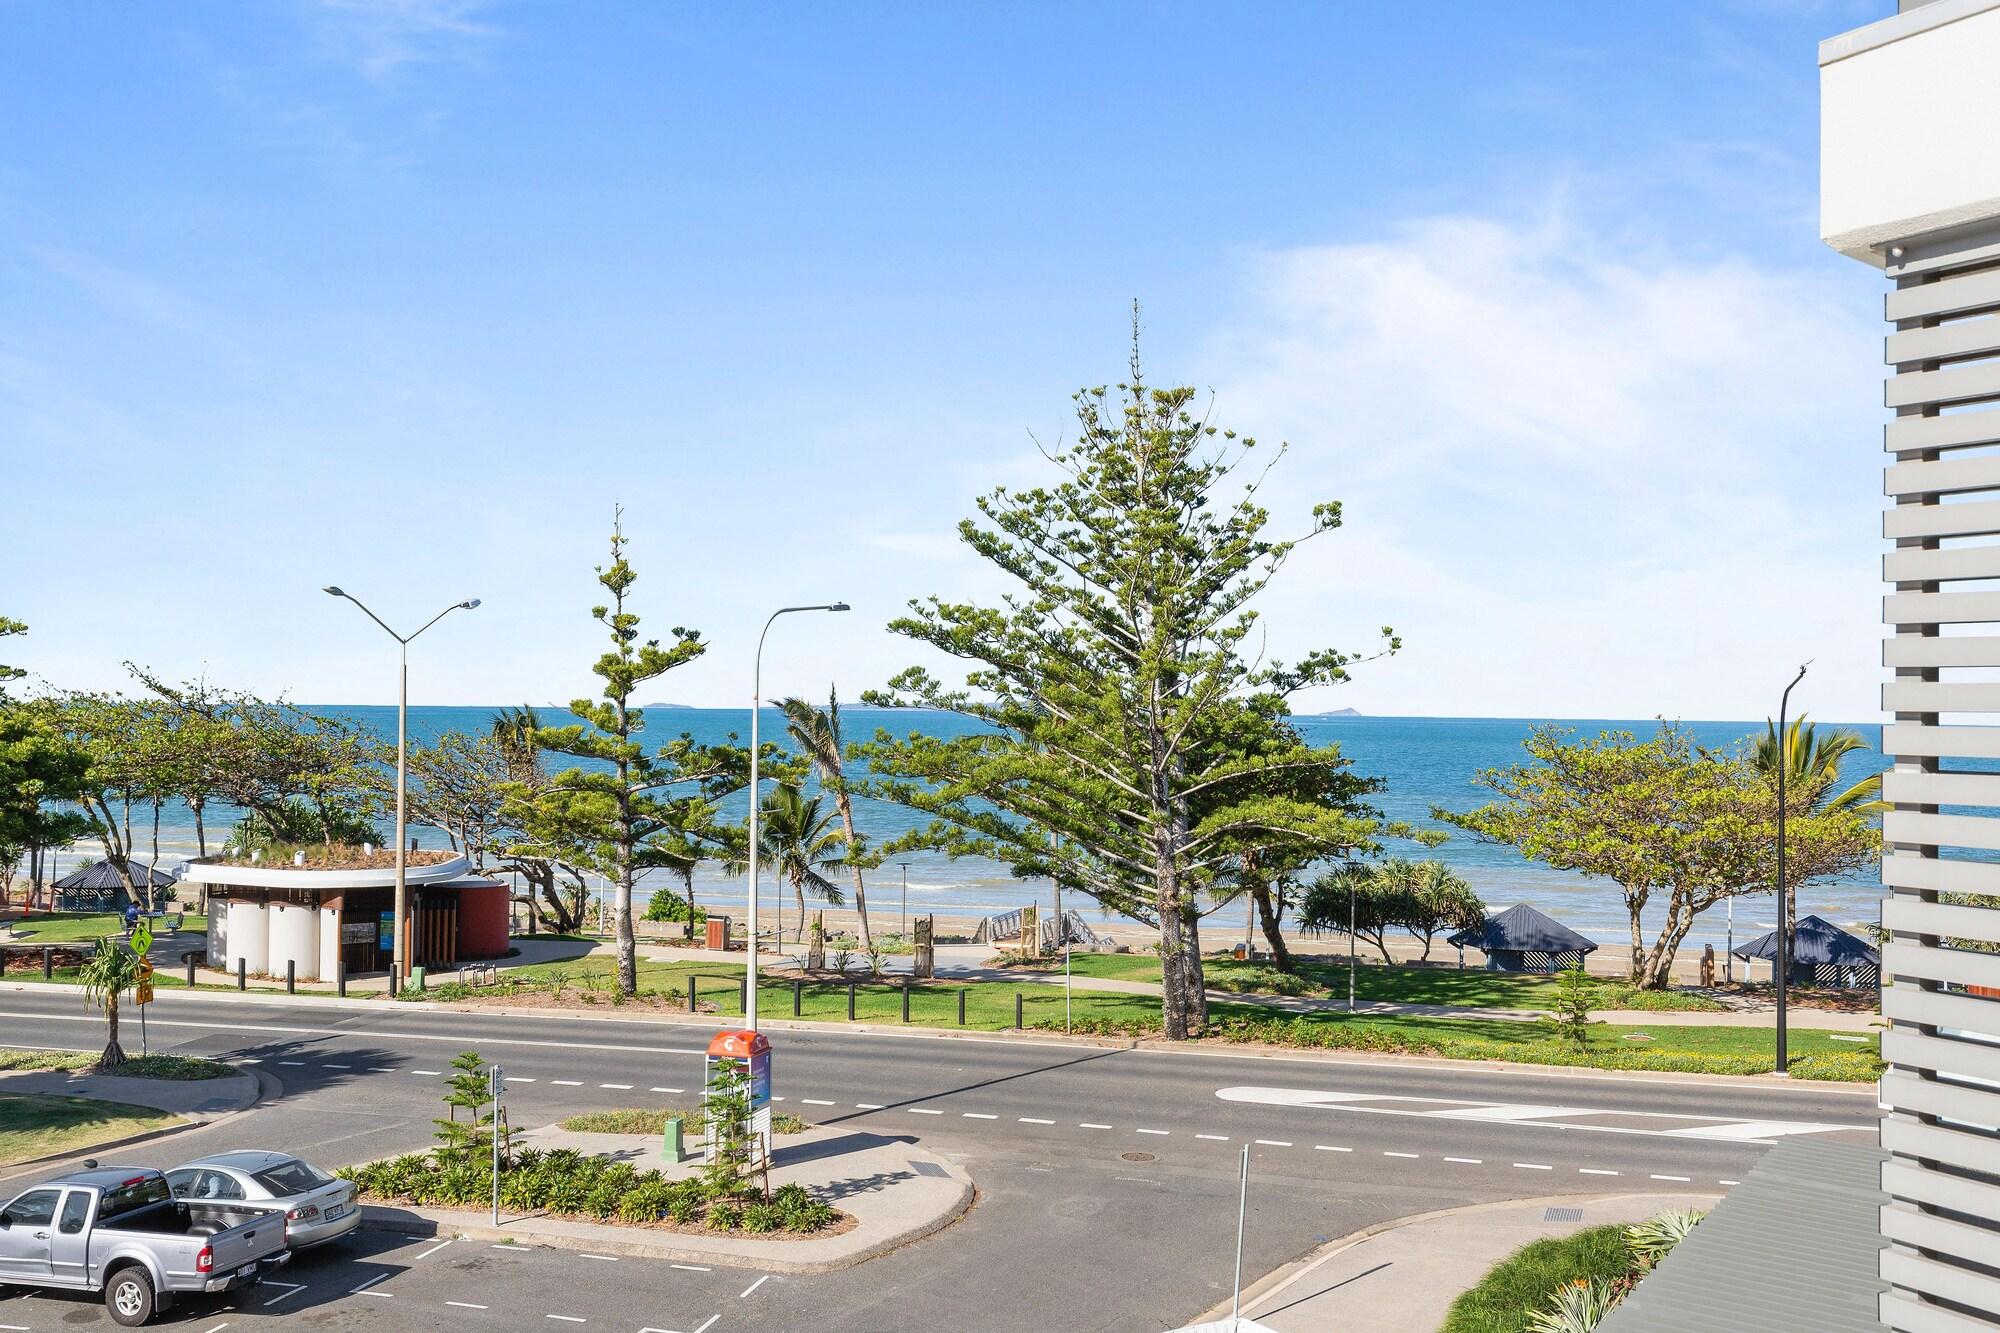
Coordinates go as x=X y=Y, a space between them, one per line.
x=83 y=927
x=1525 y=1281
x=33 y=1126
x=1328 y=976
x=177 y=1068
x=990 y=1006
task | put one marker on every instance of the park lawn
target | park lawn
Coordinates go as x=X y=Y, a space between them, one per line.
x=83 y=927
x=33 y=1125
x=174 y=1068
x=1471 y=988
x=1526 y=1281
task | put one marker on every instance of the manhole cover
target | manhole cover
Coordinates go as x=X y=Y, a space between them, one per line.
x=1135 y=1157
x=1562 y=1215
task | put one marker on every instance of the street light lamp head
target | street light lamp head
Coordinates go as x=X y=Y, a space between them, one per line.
x=470 y=603
x=332 y=591
x=840 y=606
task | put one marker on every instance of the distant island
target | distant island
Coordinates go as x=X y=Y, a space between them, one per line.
x=684 y=708
x=1339 y=712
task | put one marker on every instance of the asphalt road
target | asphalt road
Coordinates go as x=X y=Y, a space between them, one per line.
x=1107 y=1177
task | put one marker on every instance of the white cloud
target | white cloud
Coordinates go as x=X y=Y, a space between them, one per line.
x=1582 y=477
x=379 y=37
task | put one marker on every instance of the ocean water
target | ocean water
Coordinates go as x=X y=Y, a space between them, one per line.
x=1425 y=762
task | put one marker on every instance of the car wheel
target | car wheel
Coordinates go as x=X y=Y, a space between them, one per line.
x=129 y=1297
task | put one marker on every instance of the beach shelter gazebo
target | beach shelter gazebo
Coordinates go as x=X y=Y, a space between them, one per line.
x=1522 y=939
x=97 y=887
x=1822 y=955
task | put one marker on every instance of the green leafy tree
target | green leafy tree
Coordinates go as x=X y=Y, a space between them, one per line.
x=469 y=1089
x=816 y=732
x=1438 y=900
x=1571 y=1018
x=730 y=1136
x=107 y=975
x=1106 y=682
x=1661 y=818
x=1368 y=899
x=10 y=627
x=620 y=819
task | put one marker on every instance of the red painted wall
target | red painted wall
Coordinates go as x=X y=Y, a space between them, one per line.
x=482 y=921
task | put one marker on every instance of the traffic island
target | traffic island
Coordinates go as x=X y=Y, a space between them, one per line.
x=890 y=1191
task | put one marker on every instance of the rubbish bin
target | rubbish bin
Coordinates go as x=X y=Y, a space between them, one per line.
x=718 y=931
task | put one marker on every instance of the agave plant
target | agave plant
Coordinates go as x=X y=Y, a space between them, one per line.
x=1653 y=1239
x=1578 y=1307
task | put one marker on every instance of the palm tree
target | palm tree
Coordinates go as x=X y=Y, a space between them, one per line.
x=514 y=731
x=1811 y=764
x=111 y=971
x=801 y=843
x=817 y=734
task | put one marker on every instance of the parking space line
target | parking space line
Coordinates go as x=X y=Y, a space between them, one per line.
x=691 y=1268
x=443 y=1245
x=379 y=1277
x=219 y=1327
x=706 y=1322
x=289 y=1292
x=754 y=1285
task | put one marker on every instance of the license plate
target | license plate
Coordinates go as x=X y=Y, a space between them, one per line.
x=334 y=1213
x=248 y=1270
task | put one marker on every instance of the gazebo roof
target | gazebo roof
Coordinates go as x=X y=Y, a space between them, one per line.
x=103 y=875
x=1521 y=928
x=1816 y=940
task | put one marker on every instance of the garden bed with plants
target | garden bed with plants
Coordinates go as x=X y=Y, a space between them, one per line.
x=1568 y=1284
x=174 y=1068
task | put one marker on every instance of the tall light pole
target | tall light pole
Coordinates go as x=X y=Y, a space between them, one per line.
x=756 y=704
x=1784 y=913
x=400 y=962
x=906 y=898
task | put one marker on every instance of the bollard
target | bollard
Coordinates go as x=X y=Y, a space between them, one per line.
x=798 y=996
x=394 y=988
x=691 y=992
x=743 y=994
x=850 y=1002
x=188 y=959
x=242 y=973
x=340 y=977
x=670 y=1145
x=961 y=1006
x=1017 y=1011
x=48 y=962
x=906 y=1002
x=291 y=976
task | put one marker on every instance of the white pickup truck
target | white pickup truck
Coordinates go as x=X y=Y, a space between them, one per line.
x=120 y=1230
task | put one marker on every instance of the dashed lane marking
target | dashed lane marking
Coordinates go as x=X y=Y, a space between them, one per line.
x=567 y=1318
x=516 y=1078
x=1682 y=1179
x=924 y=1110
x=1729 y=1182
x=1087 y=1125
x=336 y=1066
x=427 y=1073
x=754 y=1285
x=1219 y=1138
x=1329 y=1147
x=1467 y=1161
x=867 y=1106
x=1034 y=1120
x=1275 y=1143
x=465 y=1305
x=1161 y=1132
x=1594 y=1171
x=1533 y=1166
x=617 y=1087
x=296 y=1063
x=566 y=1083
x=663 y=1090
x=978 y=1115
x=1399 y=1154
x=814 y=1101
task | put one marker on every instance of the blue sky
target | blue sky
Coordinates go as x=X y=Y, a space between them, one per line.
x=403 y=294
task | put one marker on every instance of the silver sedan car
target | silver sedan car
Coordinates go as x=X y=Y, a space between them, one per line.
x=318 y=1207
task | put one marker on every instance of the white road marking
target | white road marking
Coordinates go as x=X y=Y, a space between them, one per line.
x=1085 y=1124
x=1276 y=1143
x=287 y=1293
x=1467 y=1161
x=379 y=1277
x=754 y=1285
x=1328 y=1147
x=978 y=1115
x=1729 y=1182
x=663 y=1090
x=382 y=1069
x=1594 y=1171
x=219 y=1327
x=1533 y=1166
x=1161 y=1132
x=813 y=1101
x=1682 y=1179
x=601 y=1258
x=617 y=1087
x=1754 y=1131
x=516 y=1078
x=445 y=1245
x=567 y=1318
x=923 y=1110
x=1033 y=1120
x=465 y=1305
x=1218 y=1138
x=291 y=1062
x=427 y=1073
x=293 y=1031
x=1399 y=1154
x=336 y=1066
x=703 y=1326
x=505 y=1249
x=565 y=1083
x=1137 y=1180
x=867 y=1106
x=691 y=1268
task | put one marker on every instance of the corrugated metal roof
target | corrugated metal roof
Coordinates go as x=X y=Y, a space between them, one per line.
x=104 y=875
x=1522 y=927
x=1816 y=940
x=1793 y=1249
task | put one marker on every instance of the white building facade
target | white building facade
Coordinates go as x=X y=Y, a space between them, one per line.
x=1910 y=184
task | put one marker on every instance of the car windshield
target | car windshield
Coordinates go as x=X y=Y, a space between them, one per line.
x=291 y=1177
x=136 y=1193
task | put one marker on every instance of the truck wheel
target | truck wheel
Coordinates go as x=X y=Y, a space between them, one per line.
x=129 y=1297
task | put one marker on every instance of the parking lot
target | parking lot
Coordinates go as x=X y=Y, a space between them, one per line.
x=378 y=1280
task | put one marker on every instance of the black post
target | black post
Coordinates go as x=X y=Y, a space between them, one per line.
x=906 y=1002
x=242 y=973
x=49 y=963
x=394 y=989
x=743 y=993
x=340 y=977
x=850 y=1002
x=691 y=992
x=1017 y=1011
x=291 y=976
x=1784 y=967
x=188 y=959
x=798 y=996
x=961 y=1006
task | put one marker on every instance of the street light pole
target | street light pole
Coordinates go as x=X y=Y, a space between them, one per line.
x=399 y=962
x=905 y=928
x=1784 y=898
x=756 y=703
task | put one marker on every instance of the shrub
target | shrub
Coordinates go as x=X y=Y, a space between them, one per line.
x=684 y=1207
x=811 y=1217
x=1653 y=1239
x=725 y=1215
x=1578 y=1307
x=761 y=1217
x=667 y=905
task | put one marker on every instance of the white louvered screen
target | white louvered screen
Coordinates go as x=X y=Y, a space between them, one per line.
x=1943 y=1088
